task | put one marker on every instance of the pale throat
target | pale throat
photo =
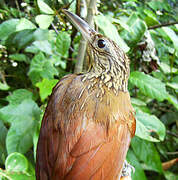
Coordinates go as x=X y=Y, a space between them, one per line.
x=109 y=73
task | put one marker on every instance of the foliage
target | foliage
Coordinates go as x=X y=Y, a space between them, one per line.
x=34 y=48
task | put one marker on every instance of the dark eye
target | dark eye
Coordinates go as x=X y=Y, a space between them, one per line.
x=101 y=43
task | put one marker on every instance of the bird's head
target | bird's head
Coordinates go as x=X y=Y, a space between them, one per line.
x=108 y=60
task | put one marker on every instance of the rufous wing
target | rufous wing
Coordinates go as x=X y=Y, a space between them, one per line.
x=82 y=137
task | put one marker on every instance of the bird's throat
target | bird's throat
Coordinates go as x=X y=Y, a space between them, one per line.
x=108 y=71
x=104 y=79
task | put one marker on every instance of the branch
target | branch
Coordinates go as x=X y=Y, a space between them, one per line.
x=172 y=133
x=162 y=25
x=169 y=164
x=83 y=42
x=18 y=7
x=70 y=64
x=172 y=153
x=54 y=28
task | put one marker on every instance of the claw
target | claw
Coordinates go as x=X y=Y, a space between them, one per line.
x=127 y=169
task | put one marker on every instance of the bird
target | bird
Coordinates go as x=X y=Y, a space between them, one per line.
x=89 y=120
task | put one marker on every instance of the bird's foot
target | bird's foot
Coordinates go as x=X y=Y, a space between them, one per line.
x=127 y=169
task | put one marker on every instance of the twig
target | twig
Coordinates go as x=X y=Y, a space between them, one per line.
x=169 y=164
x=18 y=7
x=2 y=76
x=83 y=42
x=70 y=64
x=172 y=153
x=162 y=25
x=57 y=32
x=172 y=133
x=80 y=56
x=54 y=28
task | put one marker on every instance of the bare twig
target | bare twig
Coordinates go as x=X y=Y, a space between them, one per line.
x=162 y=25
x=169 y=164
x=172 y=153
x=54 y=28
x=2 y=76
x=57 y=32
x=83 y=42
x=18 y=7
x=172 y=133
x=70 y=64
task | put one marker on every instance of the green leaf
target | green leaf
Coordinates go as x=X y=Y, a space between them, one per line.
x=159 y=5
x=173 y=100
x=19 y=57
x=44 y=21
x=16 y=175
x=172 y=35
x=23 y=118
x=169 y=118
x=16 y=162
x=22 y=39
x=147 y=153
x=3 y=135
x=4 y=86
x=41 y=34
x=57 y=60
x=167 y=69
x=18 y=96
x=24 y=24
x=147 y=125
x=137 y=28
x=35 y=141
x=43 y=46
x=160 y=32
x=44 y=7
x=173 y=85
x=63 y=43
x=151 y=18
x=110 y=31
x=46 y=87
x=138 y=102
x=139 y=173
x=170 y=176
x=7 y=28
x=149 y=86
x=41 y=67
x=121 y=22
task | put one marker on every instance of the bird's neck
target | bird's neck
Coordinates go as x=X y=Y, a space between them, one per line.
x=109 y=71
x=113 y=78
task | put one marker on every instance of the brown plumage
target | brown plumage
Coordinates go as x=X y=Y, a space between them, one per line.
x=89 y=120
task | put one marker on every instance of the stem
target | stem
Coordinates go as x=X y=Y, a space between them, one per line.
x=83 y=42
x=169 y=164
x=80 y=56
x=2 y=76
x=4 y=175
x=172 y=153
x=162 y=25
x=18 y=7
x=54 y=28
x=172 y=133
x=70 y=64
x=57 y=32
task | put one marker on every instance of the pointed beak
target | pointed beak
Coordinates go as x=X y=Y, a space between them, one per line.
x=81 y=25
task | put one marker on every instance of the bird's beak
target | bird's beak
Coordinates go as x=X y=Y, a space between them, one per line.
x=81 y=25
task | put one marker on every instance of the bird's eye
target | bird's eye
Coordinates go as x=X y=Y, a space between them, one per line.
x=101 y=43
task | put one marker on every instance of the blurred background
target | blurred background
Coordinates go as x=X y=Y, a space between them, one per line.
x=38 y=46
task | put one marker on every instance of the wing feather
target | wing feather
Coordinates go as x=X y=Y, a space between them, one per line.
x=75 y=141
